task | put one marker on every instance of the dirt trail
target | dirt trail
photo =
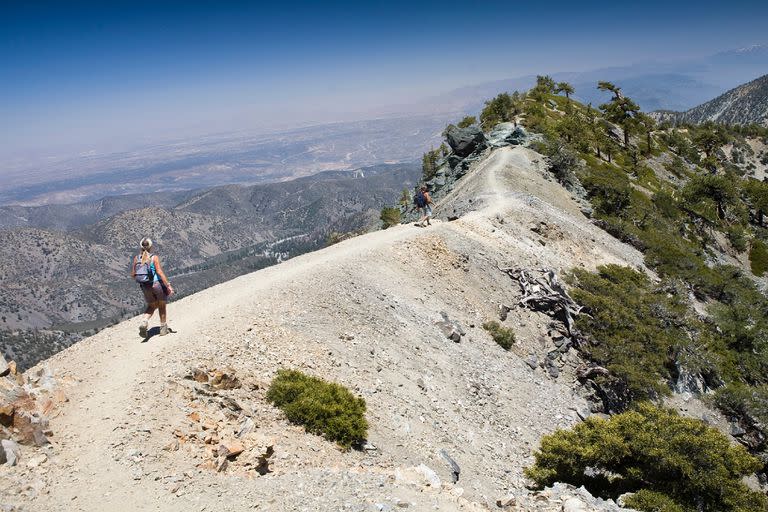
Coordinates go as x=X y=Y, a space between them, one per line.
x=363 y=313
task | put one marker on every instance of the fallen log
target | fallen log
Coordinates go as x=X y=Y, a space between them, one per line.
x=546 y=294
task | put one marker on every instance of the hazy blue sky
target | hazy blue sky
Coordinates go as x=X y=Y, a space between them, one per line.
x=104 y=75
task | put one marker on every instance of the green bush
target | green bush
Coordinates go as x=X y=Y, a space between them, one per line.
x=636 y=328
x=679 y=463
x=429 y=163
x=652 y=501
x=498 y=110
x=666 y=205
x=758 y=258
x=738 y=400
x=608 y=189
x=389 y=217
x=467 y=122
x=503 y=336
x=323 y=408
x=737 y=236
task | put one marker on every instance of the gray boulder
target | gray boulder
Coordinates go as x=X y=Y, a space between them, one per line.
x=507 y=134
x=688 y=382
x=465 y=141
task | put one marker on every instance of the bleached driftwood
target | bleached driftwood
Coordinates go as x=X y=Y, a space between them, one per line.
x=545 y=293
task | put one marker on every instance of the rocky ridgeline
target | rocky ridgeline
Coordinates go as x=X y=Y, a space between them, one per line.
x=26 y=404
x=468 y=145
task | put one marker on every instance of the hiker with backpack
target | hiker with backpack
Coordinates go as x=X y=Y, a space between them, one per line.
x=423 y=202
x=147 y=271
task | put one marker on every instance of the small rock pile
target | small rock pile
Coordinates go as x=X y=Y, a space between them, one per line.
x=25 y=407
x=220 y=426
x=451 y=329
x=560 y=498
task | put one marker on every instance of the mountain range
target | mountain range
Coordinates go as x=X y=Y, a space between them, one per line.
x=66 y=266
x=745 y=104
x=675 y=85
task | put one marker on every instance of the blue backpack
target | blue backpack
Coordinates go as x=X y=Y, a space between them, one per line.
x=419 y=199
x=144 y=272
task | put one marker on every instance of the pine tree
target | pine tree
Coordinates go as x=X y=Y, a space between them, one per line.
x=648 y=124
x=467 y=122
x=620 y=110
x=566 y=88
x=498 y=110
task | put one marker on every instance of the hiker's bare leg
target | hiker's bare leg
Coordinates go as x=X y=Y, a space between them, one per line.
x=145 y=321
x=161 y=307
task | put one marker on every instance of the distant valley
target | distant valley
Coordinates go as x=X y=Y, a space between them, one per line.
x=66 y=266
x=220 y=159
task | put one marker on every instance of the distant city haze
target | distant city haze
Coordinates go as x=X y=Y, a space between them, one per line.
x=106 y=76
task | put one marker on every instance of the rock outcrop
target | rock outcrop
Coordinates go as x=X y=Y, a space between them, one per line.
x=465 y=141
x=25 y=407
x=467 y=146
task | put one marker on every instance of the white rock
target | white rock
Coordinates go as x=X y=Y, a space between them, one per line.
x=574 y=505
x=429 y=475
x=11 y=450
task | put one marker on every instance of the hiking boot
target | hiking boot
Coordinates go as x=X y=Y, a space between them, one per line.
x=143 y=329
x=163 y=330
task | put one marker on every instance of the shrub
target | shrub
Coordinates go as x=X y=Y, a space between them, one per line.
x=652 y=501
x=737 y=237
x=608 y=189
x=740 y=400
x=635 y=327
x=467 y=122
x=389 y=217
x=497 y=110
x=674 y=463
x=564 y=162
x=503 y=336
x=666 y=205
x=323 y=408
x=710 y=195
x=429 y=163
x=758 y=258
x=677 y=167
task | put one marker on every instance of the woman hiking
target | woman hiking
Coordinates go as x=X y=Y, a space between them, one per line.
x=148 y=272
x=424 y=203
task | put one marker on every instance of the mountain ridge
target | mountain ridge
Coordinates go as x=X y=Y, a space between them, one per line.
x=207 y=237
x=362 y=312
x=742 y=105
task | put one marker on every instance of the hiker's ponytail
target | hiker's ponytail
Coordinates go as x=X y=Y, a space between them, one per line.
x=146 y=245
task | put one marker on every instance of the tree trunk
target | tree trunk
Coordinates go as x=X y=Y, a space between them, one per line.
x=720 y=211
x=626 y=136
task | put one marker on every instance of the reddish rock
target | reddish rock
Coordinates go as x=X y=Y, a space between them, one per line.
x=231 y=448
x=225 y=379
x=199 y=375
